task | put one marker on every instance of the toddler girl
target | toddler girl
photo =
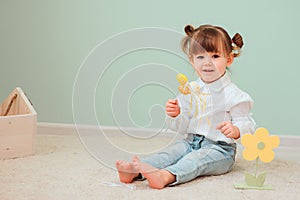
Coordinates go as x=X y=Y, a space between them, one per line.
x=211 y=120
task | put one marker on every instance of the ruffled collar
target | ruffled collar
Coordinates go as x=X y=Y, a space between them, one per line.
x=217 y=85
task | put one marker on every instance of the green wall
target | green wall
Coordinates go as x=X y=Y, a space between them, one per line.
x=44 y=44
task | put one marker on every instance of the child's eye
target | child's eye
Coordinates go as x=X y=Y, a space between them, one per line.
x=216 y=56
x=200 y=57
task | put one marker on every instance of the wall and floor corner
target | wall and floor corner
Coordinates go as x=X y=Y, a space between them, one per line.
x=44 y=44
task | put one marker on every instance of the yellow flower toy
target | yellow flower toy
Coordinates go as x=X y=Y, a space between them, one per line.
x=184 y=86
x=193 y=89
x=260 y=145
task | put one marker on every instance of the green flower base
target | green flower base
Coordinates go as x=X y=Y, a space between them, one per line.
x=247 y=187
x=254 y=182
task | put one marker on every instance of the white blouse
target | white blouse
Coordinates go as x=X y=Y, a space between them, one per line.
x=217 y=102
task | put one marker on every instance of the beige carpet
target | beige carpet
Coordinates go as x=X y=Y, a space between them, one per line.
x=63 y=169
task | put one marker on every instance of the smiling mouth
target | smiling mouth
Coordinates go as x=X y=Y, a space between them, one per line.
x=208 y=70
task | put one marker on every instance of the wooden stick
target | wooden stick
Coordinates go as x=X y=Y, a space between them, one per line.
x=10 y=104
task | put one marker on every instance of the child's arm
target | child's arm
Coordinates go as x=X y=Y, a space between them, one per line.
x=177 y=119
x=241 y=121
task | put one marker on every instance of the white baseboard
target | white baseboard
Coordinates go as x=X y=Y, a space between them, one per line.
x=286 y=141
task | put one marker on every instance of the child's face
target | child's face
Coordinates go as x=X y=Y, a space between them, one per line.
x=210 y=66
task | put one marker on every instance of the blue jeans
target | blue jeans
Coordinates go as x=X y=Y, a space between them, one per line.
x=194 y=156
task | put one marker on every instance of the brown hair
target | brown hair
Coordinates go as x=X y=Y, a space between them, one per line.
x=210 y=39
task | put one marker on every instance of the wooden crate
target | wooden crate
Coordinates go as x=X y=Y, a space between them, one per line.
x=17 y=126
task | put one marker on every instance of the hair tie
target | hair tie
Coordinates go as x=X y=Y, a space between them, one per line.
x=232 y=43
x=189 y=30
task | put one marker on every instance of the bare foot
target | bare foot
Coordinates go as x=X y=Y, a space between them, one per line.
x=157 y=178
x=126 y=171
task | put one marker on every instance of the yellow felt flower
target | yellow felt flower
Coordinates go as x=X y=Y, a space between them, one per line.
x=259 y=145
x=184 y=86
x=182 y=79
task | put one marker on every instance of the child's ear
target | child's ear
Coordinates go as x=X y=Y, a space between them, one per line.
x=230 y=60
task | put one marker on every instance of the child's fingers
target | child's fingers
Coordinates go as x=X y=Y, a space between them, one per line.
x=220 y=126
x=172 y=108
x=171 y=105
x=173 y=113
x=173 y=101
x=227 y=131
x=225 y=128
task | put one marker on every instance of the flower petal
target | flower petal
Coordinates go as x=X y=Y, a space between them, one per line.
x=250 y=153
x=262 y=134
x=267 y=155
x=273 y=141
x=248 y=140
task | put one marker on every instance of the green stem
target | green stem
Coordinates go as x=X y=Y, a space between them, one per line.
x=256 y=167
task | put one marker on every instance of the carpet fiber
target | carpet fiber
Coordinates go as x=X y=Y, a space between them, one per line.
x=63 y=169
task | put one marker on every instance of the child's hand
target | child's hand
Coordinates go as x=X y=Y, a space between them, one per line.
x=172 y=108
x=229 y=130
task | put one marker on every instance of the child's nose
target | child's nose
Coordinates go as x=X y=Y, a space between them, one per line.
x=208 y=61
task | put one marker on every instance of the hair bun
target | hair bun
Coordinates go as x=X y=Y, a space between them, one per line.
x=189 y=30
x=238 y=40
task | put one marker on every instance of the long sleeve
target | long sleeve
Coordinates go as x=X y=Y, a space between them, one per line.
x=241 y=118
x=180 y=123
